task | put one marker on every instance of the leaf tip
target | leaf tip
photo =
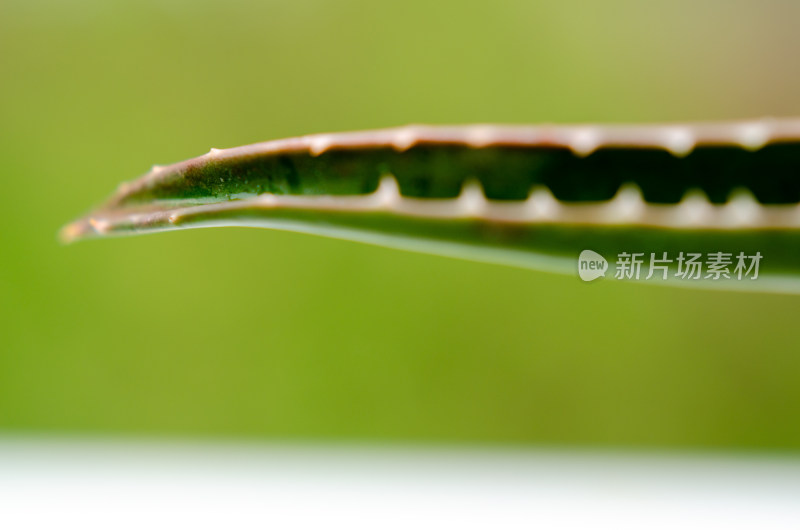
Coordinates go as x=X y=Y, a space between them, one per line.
x=74 y=231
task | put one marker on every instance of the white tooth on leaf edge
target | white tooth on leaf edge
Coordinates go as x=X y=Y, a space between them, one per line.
x=742 y=208
x=679 y=141
x=694 y=209
x=268 y=200
x=542 y=204
x=405 y=138
x=472 y=200
x=388 y=193
x=628 y=204
x=753 y=136
x=584 y=141
x=480 y=136
x=320 y=144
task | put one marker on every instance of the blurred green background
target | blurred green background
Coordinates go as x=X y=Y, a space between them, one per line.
x=255 y=333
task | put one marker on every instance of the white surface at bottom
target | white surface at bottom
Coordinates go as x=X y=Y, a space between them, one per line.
x=113 y=484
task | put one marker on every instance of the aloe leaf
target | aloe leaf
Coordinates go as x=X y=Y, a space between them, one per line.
x=529 y=196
